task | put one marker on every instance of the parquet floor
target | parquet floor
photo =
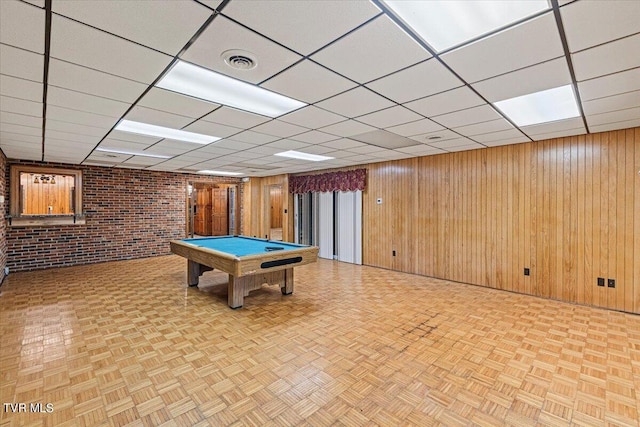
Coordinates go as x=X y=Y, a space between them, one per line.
x=126 y=343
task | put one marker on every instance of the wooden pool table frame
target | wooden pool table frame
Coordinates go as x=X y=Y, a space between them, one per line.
x=246 y=273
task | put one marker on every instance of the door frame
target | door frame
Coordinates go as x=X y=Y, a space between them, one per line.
x=189 y=212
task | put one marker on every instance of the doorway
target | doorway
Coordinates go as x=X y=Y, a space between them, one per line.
x=212 y=209
x=273 y=211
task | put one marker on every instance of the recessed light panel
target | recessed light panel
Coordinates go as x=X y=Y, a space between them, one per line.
x=133 y=153
x=541 y=107
x=447 y=23
x=303 y=156
x=164 y=132
x=201 y=83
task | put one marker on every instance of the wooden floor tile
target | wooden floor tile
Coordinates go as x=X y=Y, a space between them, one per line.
x=128 y=344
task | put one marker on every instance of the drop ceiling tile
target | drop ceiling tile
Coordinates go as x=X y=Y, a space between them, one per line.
x=20 y=106
x=615 y=19
x=158 y=118
x=223 y=35
x=116 y=144
x=51 y=134
x=314 y=137
x=415 y=128
x=529 y=43
x=20 y=63
x=355 y=102
x=559 y=125
x=347 y=128
x=213 y=4
x=613 y=84
x=236 y=118
x=510 y=141
x=420 y=80
x=86 y=46
x=285 y=145
x=80 y=117
x=136 y=161
x=254 y=138
x=378 y=48
x=20 y=119
x=482 y=113
x=38 y=3
x=162 y=148
x=75 y=128
x=214 y=129
x=607 y=58
x=23 y=152
x=449 y=143
x=21 y=130
x=625 y=124
x=22 y=25
x=437 y=136
x=421 y=150
x=612 y=103
x=343 y=144
x=560 y=133
x=318 y=149
x=384 y=139
x=8 y=138
x=233 y=144
x=311 y=117
x=446 y=102
x=483 y=127
x=294 y=82
x=73 y=100
x=389 y=117
x=548 y=75
x=314 y=23
x=184 y=17
x=133 y=137
x=465 y=147
x=614 y=116
x=280 y=128
x=509 y=134
x=84 y=80
x=172 y=102
x=20 y=88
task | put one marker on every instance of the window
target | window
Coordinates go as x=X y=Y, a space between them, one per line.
x=45 y=196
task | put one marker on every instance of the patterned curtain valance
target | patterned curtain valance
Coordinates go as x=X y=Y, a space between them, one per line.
x=351 y=180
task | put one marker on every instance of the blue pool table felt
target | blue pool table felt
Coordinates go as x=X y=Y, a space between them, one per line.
x=240 y=246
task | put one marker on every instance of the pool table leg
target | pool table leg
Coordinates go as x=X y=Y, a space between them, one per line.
x=287 y=285
x=193 y=273
x=235 y=291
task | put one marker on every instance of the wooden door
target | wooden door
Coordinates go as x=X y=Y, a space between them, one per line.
x=275 y=196
x=202 y=223
x=220 y=213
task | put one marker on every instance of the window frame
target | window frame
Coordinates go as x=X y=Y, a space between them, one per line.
x=17 y=219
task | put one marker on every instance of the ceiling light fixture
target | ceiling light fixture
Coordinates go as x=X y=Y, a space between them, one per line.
x=447 y=23
x=541 y=107
x=210 y=172
x=132 y=153
x=303 y=156
x=201 y=83
x=164 y=132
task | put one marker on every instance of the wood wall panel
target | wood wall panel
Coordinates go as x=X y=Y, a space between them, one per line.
x=567 y=208
x=256 y=218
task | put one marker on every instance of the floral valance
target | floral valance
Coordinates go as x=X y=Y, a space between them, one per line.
x=351 y=180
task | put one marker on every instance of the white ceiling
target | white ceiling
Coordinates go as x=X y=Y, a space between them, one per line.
x=375 y=92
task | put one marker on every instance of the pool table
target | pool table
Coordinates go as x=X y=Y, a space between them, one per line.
x=249 y=261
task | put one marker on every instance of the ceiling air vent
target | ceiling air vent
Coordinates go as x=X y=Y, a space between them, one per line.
x=240 y=59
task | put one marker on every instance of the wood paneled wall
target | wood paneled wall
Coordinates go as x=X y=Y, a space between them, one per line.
x=568 y=209
x=39 y=197
x=255 y=216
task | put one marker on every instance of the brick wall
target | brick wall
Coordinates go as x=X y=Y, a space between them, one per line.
x=3 y=224
x=130 y=214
